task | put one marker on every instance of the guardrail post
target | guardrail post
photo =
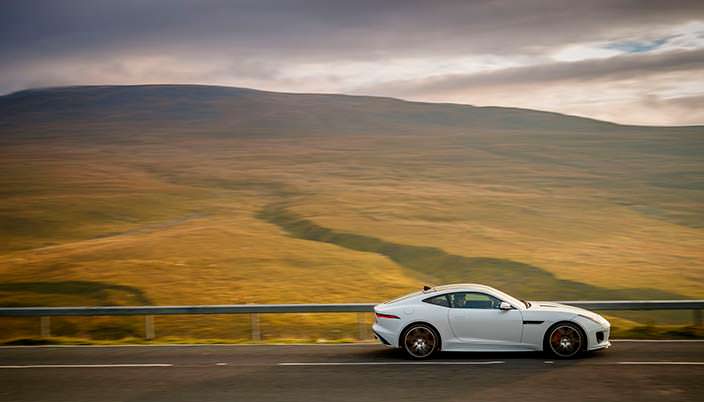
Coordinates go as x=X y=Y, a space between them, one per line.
x=149 y=331
x=45 y=326
x=697 y=318
x=254 y=323
x=361 y=326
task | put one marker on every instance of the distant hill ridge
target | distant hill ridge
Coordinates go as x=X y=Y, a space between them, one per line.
x=240 y=111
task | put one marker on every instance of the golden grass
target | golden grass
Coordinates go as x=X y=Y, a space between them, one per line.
x=178 y=221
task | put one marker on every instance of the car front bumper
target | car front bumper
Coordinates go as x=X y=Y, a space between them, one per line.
x=599 y=338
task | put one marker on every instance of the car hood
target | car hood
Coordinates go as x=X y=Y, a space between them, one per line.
x=564 y=308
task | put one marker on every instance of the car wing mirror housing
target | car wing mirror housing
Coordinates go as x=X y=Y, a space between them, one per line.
x=505 y=306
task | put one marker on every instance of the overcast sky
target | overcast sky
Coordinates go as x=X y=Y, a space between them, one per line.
x=626 y=61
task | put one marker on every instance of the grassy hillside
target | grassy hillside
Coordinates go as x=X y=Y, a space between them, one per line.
x=208 y=195
x=210 y=111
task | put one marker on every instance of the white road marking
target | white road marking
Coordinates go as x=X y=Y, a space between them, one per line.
x=460 y=363
x=430 y=363
x=658 y=340
x=368 y=363
x=86 y=365
x=665 y=363
x=187 y=345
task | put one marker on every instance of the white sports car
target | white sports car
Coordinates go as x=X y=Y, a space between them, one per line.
x=478 y=318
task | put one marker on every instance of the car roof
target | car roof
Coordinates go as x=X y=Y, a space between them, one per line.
x=460 y=286
x=467 y=287
x=474 y=287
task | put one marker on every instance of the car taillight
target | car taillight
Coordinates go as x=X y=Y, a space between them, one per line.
x=379 y=315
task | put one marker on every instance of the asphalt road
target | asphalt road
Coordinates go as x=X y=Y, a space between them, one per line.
x=637 y=371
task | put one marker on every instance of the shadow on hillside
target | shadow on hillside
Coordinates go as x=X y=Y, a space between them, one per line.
x=102 y=294
x=518 y=278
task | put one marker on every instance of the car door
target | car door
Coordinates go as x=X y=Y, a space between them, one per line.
x=477 y=320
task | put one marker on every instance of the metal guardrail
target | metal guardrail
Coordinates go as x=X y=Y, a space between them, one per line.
x=255 y=309
x=176 y=310
x=639 y=304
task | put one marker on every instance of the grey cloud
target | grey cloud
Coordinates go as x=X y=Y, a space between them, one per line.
x=614 y=68
x=695 y=102
x=261 y=42
x=688 y=104
x=679 y=110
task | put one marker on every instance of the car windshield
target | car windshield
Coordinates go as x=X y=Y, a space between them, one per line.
x=510 y=299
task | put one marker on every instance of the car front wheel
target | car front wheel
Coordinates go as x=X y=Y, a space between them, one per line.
x=420 y=341
x=564 y=340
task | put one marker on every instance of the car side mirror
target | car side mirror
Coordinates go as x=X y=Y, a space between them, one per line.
x=505 y=306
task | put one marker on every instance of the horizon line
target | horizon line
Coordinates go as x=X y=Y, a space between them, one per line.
x=53 y=87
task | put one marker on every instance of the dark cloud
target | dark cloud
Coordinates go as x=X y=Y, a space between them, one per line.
x=318 y=29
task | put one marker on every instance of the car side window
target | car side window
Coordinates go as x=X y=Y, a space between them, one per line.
x=441 y=300
x=474 y=300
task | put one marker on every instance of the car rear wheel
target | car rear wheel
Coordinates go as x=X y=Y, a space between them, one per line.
x=420 y=341
x=564 y=340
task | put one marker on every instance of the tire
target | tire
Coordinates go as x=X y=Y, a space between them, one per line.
x=420 y=341
x=565 y=340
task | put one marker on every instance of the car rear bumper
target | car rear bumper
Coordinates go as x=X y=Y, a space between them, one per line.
x=385 y=336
